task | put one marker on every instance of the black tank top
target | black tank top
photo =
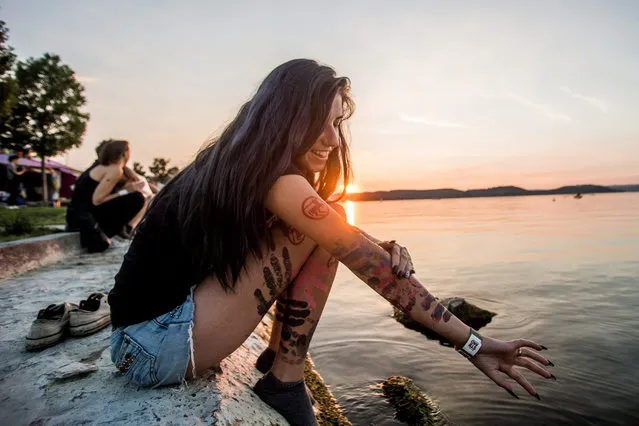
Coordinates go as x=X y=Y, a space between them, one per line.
x=82 y=198
x=156 y=274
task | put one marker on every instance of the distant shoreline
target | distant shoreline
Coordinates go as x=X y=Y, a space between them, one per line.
x=500 y=191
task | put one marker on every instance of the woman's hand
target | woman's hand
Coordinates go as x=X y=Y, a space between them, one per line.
x=498 y=356
x=401 y=263
x=134 y=185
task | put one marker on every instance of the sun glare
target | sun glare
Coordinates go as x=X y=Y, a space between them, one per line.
x=351 y=189
x=349 y=206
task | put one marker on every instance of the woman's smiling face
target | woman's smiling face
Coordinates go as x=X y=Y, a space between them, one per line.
x=315 y=159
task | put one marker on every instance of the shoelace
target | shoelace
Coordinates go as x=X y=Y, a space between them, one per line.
x=51 y=312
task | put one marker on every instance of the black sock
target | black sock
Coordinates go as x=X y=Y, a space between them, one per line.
x=265 y=360
x=287 y=398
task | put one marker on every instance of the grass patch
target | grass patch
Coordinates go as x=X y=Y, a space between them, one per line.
x=38 y=215
x=28 y=222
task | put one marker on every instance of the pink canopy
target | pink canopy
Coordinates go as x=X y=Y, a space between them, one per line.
x=35 y=163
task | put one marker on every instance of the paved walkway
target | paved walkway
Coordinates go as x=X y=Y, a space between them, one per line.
x=75 y=382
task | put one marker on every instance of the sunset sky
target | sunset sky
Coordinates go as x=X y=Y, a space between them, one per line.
x=462 y=94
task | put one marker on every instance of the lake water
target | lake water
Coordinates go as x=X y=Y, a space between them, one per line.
x=564 y=273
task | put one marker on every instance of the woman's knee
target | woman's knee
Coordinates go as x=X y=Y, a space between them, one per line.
x=137 y=201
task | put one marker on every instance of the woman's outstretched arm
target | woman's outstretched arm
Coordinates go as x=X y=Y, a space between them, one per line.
x=293 y=200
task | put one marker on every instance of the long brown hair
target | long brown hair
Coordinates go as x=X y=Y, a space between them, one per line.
x=217 y=202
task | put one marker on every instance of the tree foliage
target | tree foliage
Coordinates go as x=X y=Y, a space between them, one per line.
x=47 y=116
x=160 y=170
x=8 y=84
x=139 y=169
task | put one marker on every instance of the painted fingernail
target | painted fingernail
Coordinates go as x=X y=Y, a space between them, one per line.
x=550 y=363
x=395 y=270
x=392 y=241
x=552 y=376
x=543 y=348
x=512 y=393
x=537 y=396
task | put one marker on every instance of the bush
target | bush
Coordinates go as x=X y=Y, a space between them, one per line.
x=19 y=225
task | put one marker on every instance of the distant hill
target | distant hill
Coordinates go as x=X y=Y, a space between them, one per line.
x=500 y=191
x=625 y=188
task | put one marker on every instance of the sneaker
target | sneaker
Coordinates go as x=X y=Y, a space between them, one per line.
x=92 y=315
x=126 y=233
x=49 y=327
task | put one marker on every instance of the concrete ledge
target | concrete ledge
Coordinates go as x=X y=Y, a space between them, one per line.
x=21 y=256
x=75 y=382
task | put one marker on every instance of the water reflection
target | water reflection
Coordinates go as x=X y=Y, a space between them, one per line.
x=349 y=206
x=564 y=273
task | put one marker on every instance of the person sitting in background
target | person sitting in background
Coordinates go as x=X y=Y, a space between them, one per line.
x=148 y=189
x=54 y=194
x=13 y=181
x=95 y=210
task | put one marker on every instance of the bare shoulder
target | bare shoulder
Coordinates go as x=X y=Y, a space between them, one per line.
x=287 y=187
x=291 y=183
x=110 y=172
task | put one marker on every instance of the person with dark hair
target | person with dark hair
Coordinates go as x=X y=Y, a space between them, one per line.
x=129 y=177
x=95 y=210
x=13 y=180
x=252 y=222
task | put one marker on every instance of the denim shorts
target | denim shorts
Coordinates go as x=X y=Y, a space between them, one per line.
x=156 y=352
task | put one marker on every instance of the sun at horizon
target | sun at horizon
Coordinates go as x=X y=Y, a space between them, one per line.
x=351 y=188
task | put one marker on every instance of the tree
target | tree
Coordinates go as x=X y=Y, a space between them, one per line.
x=46 y=117
x=139 y=169
x=160 y=171
x=8 y=84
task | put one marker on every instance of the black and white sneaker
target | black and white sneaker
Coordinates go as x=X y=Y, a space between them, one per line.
x=91 y=316
x=49 y=327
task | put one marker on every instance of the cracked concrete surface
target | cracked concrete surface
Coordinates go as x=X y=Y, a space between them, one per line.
x=74 y=382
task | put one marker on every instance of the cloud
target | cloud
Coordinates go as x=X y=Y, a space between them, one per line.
x=597 y=103
x=86 y=79
x=545 y=109
x=420 y=120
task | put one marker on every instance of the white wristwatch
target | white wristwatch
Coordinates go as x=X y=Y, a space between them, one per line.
x=472 y=346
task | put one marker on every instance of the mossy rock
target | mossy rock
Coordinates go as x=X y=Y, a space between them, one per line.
x=468 y=313
x=411 y=405
x=329 y=412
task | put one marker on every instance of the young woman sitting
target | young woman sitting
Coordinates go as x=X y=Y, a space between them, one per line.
x=252 y=222
x=96 y=211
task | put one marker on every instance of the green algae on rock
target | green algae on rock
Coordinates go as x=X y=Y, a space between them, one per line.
x=329 y=412
x=468 y=313
x=411 y=405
